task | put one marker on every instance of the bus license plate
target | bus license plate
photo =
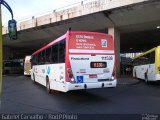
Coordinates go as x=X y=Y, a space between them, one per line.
x=93 y=76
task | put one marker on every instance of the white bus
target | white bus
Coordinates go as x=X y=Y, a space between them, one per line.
x=76 y=60
x=147 y=65
x=27 y=65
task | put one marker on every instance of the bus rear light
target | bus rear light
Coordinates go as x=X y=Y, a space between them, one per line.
x=114 y=73
x=112 y=78
x=72 y=80
x=70 y=76
x=69 y=70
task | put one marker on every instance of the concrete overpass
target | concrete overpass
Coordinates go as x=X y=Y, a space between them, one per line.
x=132 y=23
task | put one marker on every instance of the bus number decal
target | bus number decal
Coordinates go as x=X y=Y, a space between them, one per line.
x=107 y=58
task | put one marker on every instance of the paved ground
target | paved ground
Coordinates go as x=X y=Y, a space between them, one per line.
x=20 y=95
x=128 y=81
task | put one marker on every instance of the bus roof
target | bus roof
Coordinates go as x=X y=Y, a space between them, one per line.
x=64 y=36
x=84 y=32
x=151 y=50
x=49 y=44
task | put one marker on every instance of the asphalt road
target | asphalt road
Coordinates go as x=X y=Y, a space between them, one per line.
x=21 y=95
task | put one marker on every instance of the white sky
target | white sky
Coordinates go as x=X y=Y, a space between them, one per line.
x=23 y=9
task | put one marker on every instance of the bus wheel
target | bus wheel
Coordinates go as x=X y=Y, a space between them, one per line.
x=48 y=85
x=135 y=75
x=34 y=79
x=146 y=79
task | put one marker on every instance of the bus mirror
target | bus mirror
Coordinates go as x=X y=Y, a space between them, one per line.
x=12 y=28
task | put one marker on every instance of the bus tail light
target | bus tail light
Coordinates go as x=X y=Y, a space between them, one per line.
x=159 y=68
x=70 y=75
x=114 y=74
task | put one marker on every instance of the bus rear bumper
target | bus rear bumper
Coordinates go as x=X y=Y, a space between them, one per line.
x=79 y=86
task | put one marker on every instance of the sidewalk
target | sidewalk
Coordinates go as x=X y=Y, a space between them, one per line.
x=127 y=81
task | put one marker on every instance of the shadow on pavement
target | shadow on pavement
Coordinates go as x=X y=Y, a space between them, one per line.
x=77 y=96
x=80 y=96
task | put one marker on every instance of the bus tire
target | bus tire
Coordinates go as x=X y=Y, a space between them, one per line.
x=135 y=75
x=146 y=79
x=48 y=85
x=34 y=81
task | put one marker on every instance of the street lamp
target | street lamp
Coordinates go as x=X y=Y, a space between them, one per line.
x=12 y=27
x=12 y=34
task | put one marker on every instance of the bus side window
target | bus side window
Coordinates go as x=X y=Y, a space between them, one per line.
x=55 y=53
x=36 y=60
x=62 y=52
x=152 y=57
x=50 y=58
x=43 y=57
x=48 y=55
x=39 y=58
x=55 y=57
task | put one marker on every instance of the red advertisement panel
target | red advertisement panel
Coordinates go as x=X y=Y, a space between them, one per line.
x=91 y=41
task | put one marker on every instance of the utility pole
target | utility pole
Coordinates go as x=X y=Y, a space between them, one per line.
x=13 y=36
x=1 y=55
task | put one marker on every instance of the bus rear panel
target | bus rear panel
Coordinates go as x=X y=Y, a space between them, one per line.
x=91 y=61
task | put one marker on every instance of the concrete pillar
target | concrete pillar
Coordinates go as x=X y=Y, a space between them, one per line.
x=116 y=36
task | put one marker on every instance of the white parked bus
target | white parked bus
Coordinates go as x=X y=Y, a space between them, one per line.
x=76 y=60
x=27 y=65
x=147 y=65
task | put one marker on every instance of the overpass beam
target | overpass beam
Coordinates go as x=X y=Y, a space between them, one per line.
x=116 y=36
